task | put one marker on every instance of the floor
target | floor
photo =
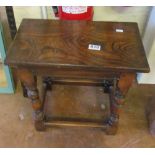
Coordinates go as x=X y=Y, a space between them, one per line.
x=3 y=81
x=17 y=130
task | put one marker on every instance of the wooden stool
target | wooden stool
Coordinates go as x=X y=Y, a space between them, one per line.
x=106 y=54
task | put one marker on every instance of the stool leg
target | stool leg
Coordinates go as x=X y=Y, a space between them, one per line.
x=112 y=122
x=24 y=90
x=48 y=82
x=30 y=83
x=116 y=95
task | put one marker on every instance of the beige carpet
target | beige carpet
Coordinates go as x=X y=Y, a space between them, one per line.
x=3 y=81
x=17 y=130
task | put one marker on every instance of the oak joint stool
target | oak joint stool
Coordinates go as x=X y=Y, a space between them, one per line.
x=91 y=53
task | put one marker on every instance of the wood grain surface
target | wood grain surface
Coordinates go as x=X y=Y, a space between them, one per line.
x=53 y=43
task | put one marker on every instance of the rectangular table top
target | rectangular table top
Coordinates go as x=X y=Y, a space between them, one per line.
x=55 y=43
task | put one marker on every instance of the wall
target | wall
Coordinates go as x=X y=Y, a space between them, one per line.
x=0 y=57
x=149 y=78
x=26 y=12
x=149 y=44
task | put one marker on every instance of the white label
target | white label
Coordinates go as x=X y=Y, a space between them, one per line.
x=94 y=47
x=119 y=30
x=74 y=9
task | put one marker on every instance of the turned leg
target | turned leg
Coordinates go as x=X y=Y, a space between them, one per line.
x=48 y=82
x=125 y=82
x=24 y=88
x=117 y=94
x=112 y=122
x=30 y=84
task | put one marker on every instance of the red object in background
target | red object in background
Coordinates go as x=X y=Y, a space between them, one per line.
x=75 y=12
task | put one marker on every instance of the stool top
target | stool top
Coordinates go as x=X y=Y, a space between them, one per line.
x=113 y=46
